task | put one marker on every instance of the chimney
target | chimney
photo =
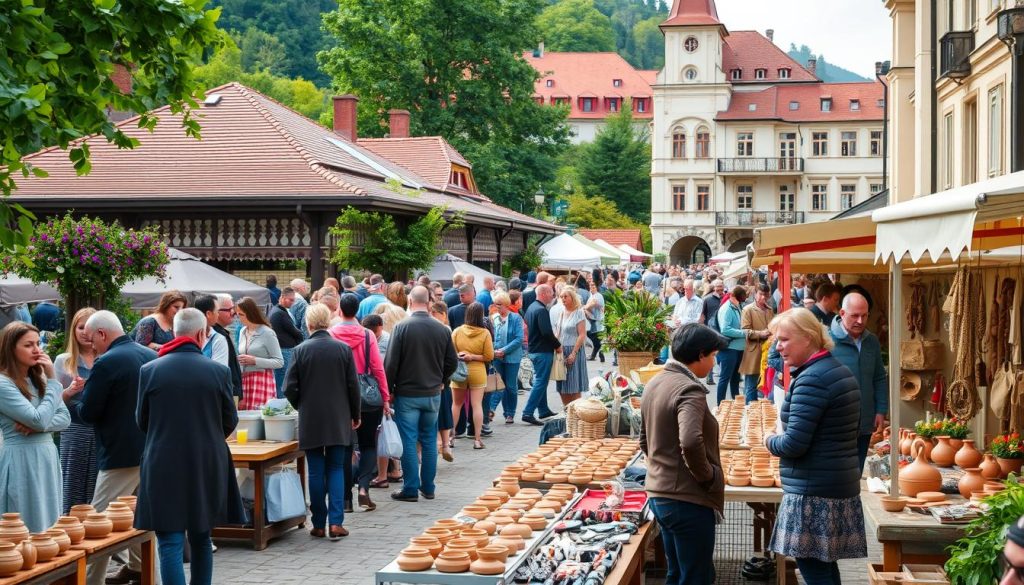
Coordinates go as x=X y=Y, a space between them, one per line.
x=770 y=33
x=345 y=116
x=122 y=78
x=812 y=66
x=399 y=122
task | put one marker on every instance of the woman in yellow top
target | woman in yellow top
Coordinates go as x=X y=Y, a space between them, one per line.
x=475 y=345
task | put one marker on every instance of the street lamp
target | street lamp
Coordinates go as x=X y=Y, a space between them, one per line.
x=538 y=203
x=1010 y=30
x=881 y=70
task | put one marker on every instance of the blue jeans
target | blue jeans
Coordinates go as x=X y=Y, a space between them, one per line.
x=327 y=484
x=688 y=533
x=171 y=546
x=509 y=397
x=538 y=398
x=750 y=389
x=817 y=572
x=416 y=417
x=729 y=372
x=279 y=372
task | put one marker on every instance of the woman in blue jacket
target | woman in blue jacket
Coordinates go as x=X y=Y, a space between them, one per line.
x=508 y=353
x=820 y=519
x=729 y=318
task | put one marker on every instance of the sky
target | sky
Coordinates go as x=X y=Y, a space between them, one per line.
x=850 y=33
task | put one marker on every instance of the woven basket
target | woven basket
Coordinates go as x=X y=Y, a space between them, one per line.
x=633 y=360
x=591 y=410
x=646 y=373
x=579 y=428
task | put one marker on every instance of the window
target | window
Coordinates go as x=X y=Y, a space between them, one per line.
x=588 y=104
x=736 y=74
x=848 y=144
x=616 y=83
x=854 y=105
x=876 y=143
x=847 y=196
x=560 y=101
x=691 y=44
x=819 y=143
x=760 y=73
x=703 y=197
x=689 y=74
x=784 y=73
x=550 y=83
x=794 y=106
x=826 y=104
x=678 y=143
x=703 y=143
x=641 y=105
x=947 y=151
x=679 y=197
x=819 y=197
x=875 y=188
x=971 y=16
x=613 y=104
x=970 y=142
x=995 y=131
x=751 y=107
x=745 y=144
x=745 y=197
x=787 y=199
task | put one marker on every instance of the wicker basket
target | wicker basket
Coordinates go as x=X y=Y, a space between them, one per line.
x=633 y=360
x=583 y=421
x=646 y=373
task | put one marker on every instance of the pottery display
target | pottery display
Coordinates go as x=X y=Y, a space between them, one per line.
x=441 y=534
x=487 y=526
x=463 y=544
x=498 y=493
x=491 y=561
x=73 y=527
x=893 y=503
x=534 y=521
x=972 y=481
x=1008 y=466
x=919 y=476
x=130 y=500
x=61 y=538
x=452 y=561
x=907 y=442
x=990 y=467
x=29 y=557
x=46 y=547
x=82 y=511
x=968 y=455
x=12 y=529
x=414 y=558
x=511 y=487
x=428 y=542
x=97 y=525
x=121 y=516
x=517 y=529
x=480 y=537
x=943 y=453
x=10 y=559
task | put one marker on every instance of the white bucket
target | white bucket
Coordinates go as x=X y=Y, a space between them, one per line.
x=251 y=420
x=282 y=427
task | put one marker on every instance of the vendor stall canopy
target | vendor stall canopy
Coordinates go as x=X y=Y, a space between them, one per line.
x=566 y=252
x=446 y=265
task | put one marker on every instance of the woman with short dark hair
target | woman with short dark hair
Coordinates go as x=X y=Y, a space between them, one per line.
x=687 y=490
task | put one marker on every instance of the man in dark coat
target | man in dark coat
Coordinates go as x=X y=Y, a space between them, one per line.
x=187 y=478
x=323 y=385
x=288 y=335
x=542 y=343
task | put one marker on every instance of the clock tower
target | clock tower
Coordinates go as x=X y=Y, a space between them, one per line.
x=693 y=43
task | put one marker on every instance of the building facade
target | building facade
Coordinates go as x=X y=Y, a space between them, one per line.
x=744 y=137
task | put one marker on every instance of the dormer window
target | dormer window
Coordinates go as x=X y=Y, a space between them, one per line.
x=587 y=104
x=641 y=105
x=736 y=74
x=616 y=83
x=613 y=104
x=854 y=105
x=784 y=73
x=751 y=107
x=550 y=83
x=794 y=106
x=760 y=73
x=826 y=104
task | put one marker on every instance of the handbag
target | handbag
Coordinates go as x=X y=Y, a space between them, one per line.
x=495 y=383
x=461 y=372
x=1003 y=383
x=284 y=496
x=389 y=441
x=370 y=398
x=558 y=367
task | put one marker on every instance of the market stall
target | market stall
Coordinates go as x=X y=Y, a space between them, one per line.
x=565 y=252
x=624 y=257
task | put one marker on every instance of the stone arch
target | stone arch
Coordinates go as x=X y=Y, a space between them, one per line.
x=690 y=245
x=739 y=244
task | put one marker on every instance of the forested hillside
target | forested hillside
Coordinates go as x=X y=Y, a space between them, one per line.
x=629 y=27
x=825 y=70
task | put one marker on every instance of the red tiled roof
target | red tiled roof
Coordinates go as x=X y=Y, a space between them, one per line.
x=252 y=148
x=774 y=103
x=616 y=237
x=693 y=13
x=649 y=75
x=749 y=50
x=431 y=157
x=590 y=74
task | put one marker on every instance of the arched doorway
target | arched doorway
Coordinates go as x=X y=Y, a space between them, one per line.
x=689 y=250
x=740 y=245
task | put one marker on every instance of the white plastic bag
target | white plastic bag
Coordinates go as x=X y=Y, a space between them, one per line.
x=284 y=496
x=389 y=441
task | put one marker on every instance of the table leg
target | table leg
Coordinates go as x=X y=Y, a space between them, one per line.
x=892 y=555
x=259 y=541
x=300 y=465
x=780 y=569
x=148 y=562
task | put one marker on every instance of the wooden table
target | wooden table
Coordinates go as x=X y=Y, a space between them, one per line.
x=68 y=568
x=259 y=456
x=118 y=541
x=629 y=569
x=909 y=537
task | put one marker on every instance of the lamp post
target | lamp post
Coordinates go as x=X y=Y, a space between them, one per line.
x=881 y=70
x=538 y=200
x=1010 y=30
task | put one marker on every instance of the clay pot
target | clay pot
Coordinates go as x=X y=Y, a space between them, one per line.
x=120 y=516
x=12 y=529
x=46 y=547
x=480 y=537
x=556 y=477
x=759 y=481
x=500 y=521
x=73 y=527
x=534 y=521
x=580 y=477
x=517 y=529
x=1008 y=466
x=498 y=493
x=491 y=561
x=443 y=535
x=82 y=511
x=130 y=500
x=61 y=538
x=449 y=524
x=490 y=502
x=992 y=487
x=956 y=443
x=474 y=511
x=738 y=480
x=414 y=558
x=893 y=503
x=511 y=487
x=463 y=544
x=512 y=543
x=943 y=453
x=532 y=475
x=919 y=476
x=990 y=467
x=97 y=525
x=452 y=561
x=29 y=557
x=972 y=481
x=10 y=559
x=428 y=542
x=968 y=455
x=487 y=526
x=513 y=513
x=907 y=443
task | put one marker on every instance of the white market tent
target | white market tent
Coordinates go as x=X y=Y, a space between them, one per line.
x=608 y=258
x=564 y=252
x=727 y=257
x=622 y=254
x=15 y=290
x=634 y=254
x=446 y=265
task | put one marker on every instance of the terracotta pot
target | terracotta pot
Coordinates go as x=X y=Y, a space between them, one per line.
x=73 y=527
x=97 y=525
x=513 y=543
x=428 y=542
x=491 y=561
x=514 y=514
x=12 y=529
x=990 y=467
x=61 y=538
x=532 y=475
x=414 y=558
x=480 y=537
x=487 y=526
x=556 y=477
x=29 y=556
x=972 y=481
x=1008 y=466
x=943 y=453
x=759 y=481
x=907 y=443
x=82 y=511
x=46 y=547
x=738 y=481
x=956 y=443
x=449 y=524
x=10 y=559
x=498 y=493
x=121 y=516
x=490 y=502
x=130 y=500
x=580 y=478
x=534 y=521
x=452 y=561
x=992 y=487
x=500 y=521
x=441 y=534
x=517 y=529
x=893 y=503
x=463 y=544
x=919 y=476
x=511 y=487
x=968 y=455
x=474 y=511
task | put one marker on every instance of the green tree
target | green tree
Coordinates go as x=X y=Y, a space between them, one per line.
x=617 y=165
x=262 y=51
x=649 y=44
x=596 y=212
x=458 y=66
x=575 y=25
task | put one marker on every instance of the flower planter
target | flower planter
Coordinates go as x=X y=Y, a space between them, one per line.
x=1008 y=466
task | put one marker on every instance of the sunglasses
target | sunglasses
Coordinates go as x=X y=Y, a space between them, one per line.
x=226 y=311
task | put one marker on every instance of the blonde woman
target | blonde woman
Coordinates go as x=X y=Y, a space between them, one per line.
x=78 y=441
x=569 y=323
x=476 y=347
x=390 y=314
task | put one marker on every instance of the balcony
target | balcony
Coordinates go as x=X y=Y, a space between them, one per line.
x=955 y=48
x=760 y=165
x=757 y=218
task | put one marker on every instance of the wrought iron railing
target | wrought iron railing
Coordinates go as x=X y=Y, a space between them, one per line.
x=955 y=48
x=761 y=165
x=757 y=218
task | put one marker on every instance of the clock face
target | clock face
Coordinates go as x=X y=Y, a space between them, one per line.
x=691 y=44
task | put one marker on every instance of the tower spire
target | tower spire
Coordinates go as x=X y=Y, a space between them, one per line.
x=693 y=13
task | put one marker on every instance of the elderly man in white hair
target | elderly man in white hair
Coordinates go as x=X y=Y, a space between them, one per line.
x=108 y=403
x=298 y=308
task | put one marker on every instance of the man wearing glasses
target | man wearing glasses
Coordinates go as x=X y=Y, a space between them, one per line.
x=225 y=318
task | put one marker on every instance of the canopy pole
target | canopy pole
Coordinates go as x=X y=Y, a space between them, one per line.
x=785 y=279
x=895 y=338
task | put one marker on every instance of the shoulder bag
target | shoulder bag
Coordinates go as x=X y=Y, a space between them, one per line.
x=369 y=390
x=461 y=371
x=558 y=371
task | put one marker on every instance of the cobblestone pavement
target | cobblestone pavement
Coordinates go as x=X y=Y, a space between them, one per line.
x=377 y=537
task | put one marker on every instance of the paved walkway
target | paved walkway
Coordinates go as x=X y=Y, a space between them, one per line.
x=377 y=537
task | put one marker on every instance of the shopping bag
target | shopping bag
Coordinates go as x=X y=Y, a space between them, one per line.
x=461 y=372
x=495 y=383
x=558 y=367
x=389 y=441
x=284 y=496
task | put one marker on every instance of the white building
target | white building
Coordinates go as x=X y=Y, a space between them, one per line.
x=744 y=136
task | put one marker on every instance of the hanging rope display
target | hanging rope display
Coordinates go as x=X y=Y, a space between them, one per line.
x=966 y=331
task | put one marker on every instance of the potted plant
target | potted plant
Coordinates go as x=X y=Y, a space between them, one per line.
x=635 y=327
x=957 y=430
x=1009 y=452
x=976 y=559
x=928 y=431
